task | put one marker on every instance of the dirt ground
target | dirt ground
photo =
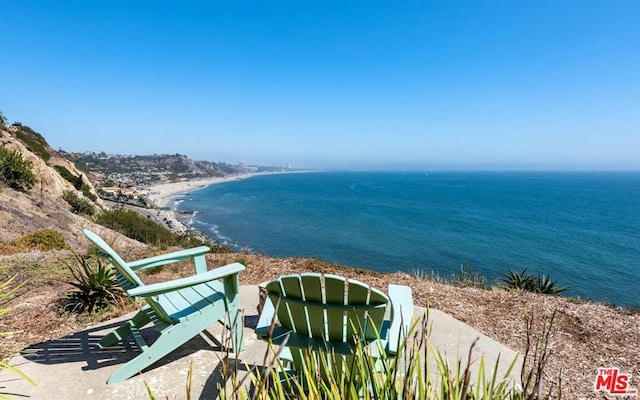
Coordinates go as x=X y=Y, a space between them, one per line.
x=585 y=336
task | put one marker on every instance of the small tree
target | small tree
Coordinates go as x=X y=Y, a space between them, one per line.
x=3 y=120
x=78 y=204
x=15 y=171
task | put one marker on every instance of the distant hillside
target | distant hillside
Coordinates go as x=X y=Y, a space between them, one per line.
x=143 y=170
x=121 y=170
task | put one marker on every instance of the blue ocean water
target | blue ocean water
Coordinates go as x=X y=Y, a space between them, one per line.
x=580 y=228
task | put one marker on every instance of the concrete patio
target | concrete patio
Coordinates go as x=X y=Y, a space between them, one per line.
x=71 y=368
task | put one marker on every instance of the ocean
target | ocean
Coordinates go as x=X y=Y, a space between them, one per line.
x=582 y=229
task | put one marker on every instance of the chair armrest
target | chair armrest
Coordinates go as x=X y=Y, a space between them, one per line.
x=168 y=258
x=401 y=315
x=165 y=287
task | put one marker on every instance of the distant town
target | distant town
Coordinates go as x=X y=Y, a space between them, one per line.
x=121 y=178
x=130 y=171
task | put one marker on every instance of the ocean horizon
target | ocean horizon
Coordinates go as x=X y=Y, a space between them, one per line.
x=580 y=228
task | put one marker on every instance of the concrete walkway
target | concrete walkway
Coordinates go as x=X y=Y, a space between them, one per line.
x=71 y=368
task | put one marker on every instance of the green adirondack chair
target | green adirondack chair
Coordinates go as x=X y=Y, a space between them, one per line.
x=179 y=309
x=329 y=313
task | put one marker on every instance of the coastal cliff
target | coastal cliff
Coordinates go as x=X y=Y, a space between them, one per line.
x=43 y=206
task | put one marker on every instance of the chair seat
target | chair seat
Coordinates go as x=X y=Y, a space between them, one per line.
x=183 y=304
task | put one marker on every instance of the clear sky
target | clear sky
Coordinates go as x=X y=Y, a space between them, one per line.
x=503 y=84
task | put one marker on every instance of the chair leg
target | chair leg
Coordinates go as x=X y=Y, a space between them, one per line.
x=235 y=322
x=170 y=339
x=126 y=329
x=165 y=344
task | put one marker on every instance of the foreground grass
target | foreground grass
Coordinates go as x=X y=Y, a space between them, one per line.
x=417 y=372
x=8 y=290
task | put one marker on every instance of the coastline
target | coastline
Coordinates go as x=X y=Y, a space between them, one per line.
x=538 y=239
x=161 y=197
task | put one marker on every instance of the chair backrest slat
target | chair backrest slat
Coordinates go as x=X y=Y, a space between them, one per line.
x=328 y=307
x=316 y=316
x=358 y=293
x=312 y=285
x=334 y=294
x=291 y=287
x=334 y=289
x=118 y=263
x=125 y=276
x=276 y=294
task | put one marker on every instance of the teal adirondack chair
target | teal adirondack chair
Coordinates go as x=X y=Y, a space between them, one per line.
x=179 y=309
x=329 y=313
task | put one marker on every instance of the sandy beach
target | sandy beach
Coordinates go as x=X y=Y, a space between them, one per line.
x=161 y=196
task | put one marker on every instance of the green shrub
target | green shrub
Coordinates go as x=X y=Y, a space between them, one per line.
x=135 y=226
x=466 y=277
x=545 y=285
x=76 y=181
x=15 y=171
x=143 y=229
x=46 y=239
x=86 y=191
x=536 y=283
x=78 y=204
x=96 y=288
x=193 y=239
x=32 y=140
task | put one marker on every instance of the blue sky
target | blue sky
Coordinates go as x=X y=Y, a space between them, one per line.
x=335 y=84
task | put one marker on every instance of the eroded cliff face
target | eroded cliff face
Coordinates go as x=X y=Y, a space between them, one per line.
x=42 y=207
x=50 y=183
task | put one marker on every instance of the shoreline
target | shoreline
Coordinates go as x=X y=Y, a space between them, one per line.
x=161 y=196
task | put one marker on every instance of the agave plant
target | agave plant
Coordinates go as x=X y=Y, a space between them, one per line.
x=95 y=286
x=536 y=283
x=545 y=285
x=519 y=280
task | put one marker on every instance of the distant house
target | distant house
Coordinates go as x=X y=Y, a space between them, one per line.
x=116 y=191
